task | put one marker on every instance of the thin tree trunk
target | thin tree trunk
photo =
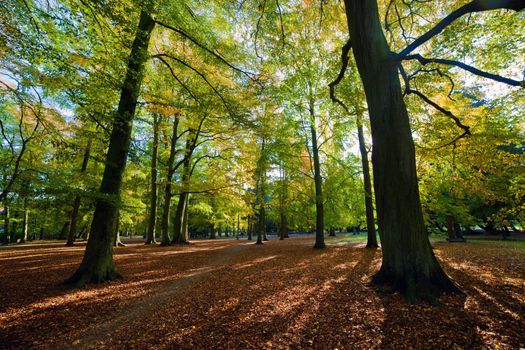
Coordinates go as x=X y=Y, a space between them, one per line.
x=449 y=219
x=117 y=242
x=367 y=182
x=165 y=240
x=319 y=205
x=65 y=230
x=150 y=235
x=185 y=223
x=25 y=223
x=76 y=203
x=408 y=264
x=181 y=206
x=7 y=213
x=250 y=227
x=283 y=224
x=259 y=190
x=14 y=229
x=97 y=264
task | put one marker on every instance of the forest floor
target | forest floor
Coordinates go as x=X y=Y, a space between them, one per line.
x=232 y=294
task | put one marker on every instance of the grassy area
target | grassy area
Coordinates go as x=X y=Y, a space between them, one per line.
x=500 y=243
x=342 y=238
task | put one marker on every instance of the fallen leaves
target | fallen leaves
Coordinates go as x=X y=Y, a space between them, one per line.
x=283 y=295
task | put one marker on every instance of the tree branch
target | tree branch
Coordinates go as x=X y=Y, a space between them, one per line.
x=471 y=7
x=466 y=67
x=250 y=75
x=441 y=109
x=344 y=65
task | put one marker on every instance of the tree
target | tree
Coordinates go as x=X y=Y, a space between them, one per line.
x=408 y=263
x=97 y=264
x=152 y=221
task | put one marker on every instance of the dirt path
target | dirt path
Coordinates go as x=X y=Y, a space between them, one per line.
x=140 y=309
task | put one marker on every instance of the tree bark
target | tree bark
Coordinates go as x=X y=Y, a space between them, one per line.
x=319 y=205
x=367 y=182
x=7 y=213
x=259 y=190
x=97 y=264
x=25 y=223
x=181 y=206
x=165 y=241
x=76 y=202
x=150 y=235
x=250 y=228
x=185 y=222
x=408 y=263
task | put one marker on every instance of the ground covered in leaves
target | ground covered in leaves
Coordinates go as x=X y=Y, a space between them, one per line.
x=231 y=294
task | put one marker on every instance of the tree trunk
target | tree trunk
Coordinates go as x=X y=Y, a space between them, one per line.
x=14 y=229
x=25 y=223
x=283 y=224
x=449 y=219
x=250 y=228
x=65 y=230
x=76 y=202
x=185 y=231
x=261 y=225
x=150 y=235
x=97 y=264
x=319 y=205
x=259 y=190
x=181 y=206
x=408 y=263
x=117 y=242
x=7 y=213
x=367 y=182
x=165 y=240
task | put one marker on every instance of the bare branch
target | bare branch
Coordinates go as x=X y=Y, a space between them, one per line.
x=177 y=78
x=176 y=59
x=281 y=20
x=250 y=75
x=471 y=7
x=441 y=109
x=466 y=67
x=344 y=65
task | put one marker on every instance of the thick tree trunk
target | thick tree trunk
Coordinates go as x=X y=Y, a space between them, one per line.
x=97 y=264
x=319 y=205
x=408 y=264
x=165 y=240
x=76 y=202
x=367 y=181
x=150 y=235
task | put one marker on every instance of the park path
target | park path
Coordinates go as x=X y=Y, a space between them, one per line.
x=146 y=305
